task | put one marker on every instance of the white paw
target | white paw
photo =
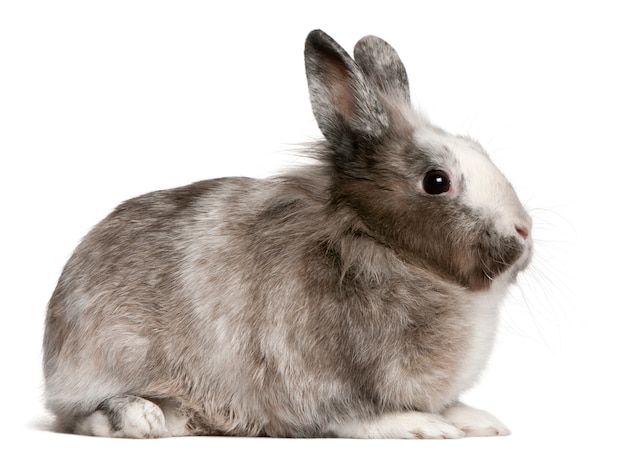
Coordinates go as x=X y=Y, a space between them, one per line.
x=475 y=422
x=125 y=416
x=405 y=425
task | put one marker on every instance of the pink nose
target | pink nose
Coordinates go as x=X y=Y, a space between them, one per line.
x=522 y=231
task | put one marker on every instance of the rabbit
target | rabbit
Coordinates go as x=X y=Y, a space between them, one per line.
x=356 y=296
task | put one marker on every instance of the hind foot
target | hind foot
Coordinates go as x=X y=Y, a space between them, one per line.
x=125 y=416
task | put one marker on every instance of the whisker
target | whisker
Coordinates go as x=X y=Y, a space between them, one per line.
x=536 y=310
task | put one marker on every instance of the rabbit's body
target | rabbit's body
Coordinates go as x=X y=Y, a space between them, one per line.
x=339 y=299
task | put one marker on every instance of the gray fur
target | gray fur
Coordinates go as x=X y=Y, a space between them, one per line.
x=286 y=306
x=381 y=64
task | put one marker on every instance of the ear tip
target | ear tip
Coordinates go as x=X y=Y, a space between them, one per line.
x=319 y=46
x=368 y=39
x=316 y=32
x=370 y=43
x=316 y=37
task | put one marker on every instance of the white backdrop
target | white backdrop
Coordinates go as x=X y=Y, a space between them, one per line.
x=102 y=101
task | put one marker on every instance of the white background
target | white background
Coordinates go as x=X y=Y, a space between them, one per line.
x=102 y=101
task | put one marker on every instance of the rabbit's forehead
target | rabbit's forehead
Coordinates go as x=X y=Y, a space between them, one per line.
x=460 y=156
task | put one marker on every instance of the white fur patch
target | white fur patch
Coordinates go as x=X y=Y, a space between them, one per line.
x=483 y=317
x=487 y=189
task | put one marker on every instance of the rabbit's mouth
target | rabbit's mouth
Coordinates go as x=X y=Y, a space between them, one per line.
x=524 y=260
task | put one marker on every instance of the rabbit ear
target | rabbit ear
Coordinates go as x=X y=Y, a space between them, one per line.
x=346 y=107
x=381 y=64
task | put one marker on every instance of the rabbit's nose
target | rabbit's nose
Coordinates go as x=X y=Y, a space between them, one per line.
x=522 y=231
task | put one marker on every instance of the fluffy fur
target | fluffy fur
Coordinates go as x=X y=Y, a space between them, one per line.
x=340 y=299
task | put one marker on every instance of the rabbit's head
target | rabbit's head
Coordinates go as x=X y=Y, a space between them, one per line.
x=434 y=198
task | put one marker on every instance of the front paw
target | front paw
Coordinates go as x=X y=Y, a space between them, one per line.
x=475 y=422
x=405 y=425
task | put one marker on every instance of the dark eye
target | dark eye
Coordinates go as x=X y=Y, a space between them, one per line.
x=436 y=182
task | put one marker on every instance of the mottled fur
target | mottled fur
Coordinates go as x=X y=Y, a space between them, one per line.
x=339 y=299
